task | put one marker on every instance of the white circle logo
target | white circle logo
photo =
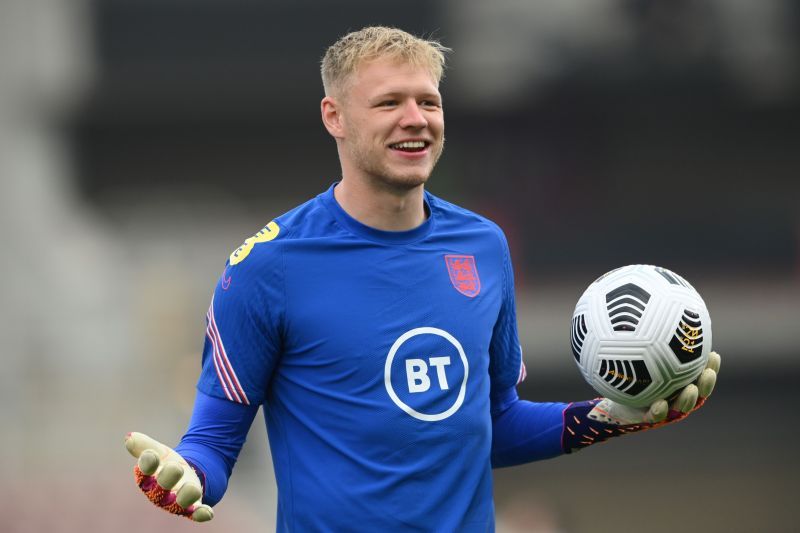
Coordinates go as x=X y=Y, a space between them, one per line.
x=418 y=379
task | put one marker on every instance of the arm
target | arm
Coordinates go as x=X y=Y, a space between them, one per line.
x=188 y=480
x=522 y=431
x=212 y=442
x=526 y=431
x=242 y=346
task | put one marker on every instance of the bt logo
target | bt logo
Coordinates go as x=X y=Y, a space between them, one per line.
x=426 y=378
x=417 y=372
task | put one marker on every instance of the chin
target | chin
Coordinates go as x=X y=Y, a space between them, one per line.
x=406 y=178
x=403 y=181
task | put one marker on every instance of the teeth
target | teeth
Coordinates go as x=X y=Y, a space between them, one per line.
x=410 y=144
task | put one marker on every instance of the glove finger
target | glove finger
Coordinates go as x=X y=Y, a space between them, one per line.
x=136 y=443
x=203 y=513
x=714 y=362
x=706 y=382
x=169 y=476
x=686 y=400
x=188 y=494
x=657 y=412
x=149 y=462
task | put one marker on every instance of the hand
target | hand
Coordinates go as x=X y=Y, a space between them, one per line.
x=587 y=423
x=167 y=479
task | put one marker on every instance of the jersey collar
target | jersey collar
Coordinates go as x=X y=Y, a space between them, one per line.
x=373 y=234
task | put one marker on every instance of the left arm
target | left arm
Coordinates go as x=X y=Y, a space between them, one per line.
x=525 y=431
x=522 y=431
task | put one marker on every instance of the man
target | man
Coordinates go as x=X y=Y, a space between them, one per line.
x=376 y=325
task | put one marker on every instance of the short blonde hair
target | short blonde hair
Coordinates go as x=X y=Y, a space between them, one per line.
x=343 y=57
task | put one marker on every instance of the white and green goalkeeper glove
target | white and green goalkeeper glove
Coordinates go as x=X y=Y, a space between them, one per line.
x=587 y=423
x=167 y=479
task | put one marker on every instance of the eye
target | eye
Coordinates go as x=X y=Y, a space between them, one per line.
x=430 y=104
x=387 y=103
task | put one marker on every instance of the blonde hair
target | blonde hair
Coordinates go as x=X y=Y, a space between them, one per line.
x=343 y=58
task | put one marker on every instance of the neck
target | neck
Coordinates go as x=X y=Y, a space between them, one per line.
x=381 y=208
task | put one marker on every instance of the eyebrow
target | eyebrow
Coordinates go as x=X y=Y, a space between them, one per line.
x=396 y=94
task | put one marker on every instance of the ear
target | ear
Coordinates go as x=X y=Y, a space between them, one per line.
x=332 y=116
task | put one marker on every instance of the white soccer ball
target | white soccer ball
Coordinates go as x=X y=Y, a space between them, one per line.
x=640 y=333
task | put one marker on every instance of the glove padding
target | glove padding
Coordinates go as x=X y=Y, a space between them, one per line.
x=167 y=479
x=587 y=423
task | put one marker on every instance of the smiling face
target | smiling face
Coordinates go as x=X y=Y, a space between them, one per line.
x=388 y=123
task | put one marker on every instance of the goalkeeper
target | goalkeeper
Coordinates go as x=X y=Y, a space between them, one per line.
x=376 y=326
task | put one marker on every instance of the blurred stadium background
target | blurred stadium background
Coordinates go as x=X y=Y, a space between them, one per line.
x=142 y=141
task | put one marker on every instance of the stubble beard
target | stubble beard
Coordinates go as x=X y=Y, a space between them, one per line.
x=373 y=165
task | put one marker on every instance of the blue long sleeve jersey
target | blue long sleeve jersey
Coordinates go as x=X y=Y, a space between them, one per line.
x=386 y=364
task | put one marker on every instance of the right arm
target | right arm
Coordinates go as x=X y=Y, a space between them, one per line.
x=212 y=442
x=243 y=344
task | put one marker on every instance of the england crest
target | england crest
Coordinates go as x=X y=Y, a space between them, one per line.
x=463 y=274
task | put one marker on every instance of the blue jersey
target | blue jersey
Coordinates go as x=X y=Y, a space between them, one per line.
x=377 y=357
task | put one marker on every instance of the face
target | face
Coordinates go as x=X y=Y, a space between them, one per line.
x=391 y=124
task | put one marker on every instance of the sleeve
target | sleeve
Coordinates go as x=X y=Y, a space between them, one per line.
x=522 y=431
x=526 y=431
x=506 y=368
x=212 y=442
x=244 y=327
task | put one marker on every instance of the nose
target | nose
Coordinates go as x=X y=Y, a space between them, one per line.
x=413 y=117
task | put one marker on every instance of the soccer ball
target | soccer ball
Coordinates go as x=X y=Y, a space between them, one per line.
x=640 y=333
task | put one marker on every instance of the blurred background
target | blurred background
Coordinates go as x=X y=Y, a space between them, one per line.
x=142 y=141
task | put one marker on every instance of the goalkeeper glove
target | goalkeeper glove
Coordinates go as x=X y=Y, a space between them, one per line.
x=167 y=479
x=587 y=423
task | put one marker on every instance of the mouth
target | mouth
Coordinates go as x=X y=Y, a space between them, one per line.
x=410 y=146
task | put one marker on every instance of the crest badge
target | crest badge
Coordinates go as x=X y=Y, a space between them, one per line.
x=463 y=274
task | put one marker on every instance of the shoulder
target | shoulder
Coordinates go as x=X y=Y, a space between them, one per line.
x=454 y=218
x=264 y=248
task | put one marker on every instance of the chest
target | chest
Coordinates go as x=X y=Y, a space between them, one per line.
x=360 y=298
x=389 y=327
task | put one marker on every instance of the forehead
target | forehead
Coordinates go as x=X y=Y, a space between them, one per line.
x=391 y=76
